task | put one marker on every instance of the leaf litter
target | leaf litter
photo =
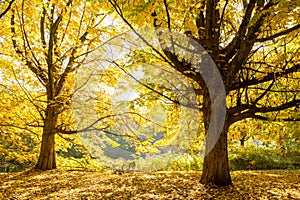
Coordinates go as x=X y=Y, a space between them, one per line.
x=58 y=184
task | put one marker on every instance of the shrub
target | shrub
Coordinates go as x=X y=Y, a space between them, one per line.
x=255 y=158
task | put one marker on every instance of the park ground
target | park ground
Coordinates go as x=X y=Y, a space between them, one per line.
x=59 y=184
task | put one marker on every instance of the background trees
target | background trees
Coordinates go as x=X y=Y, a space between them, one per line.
x=253 y=48
x=52 y=40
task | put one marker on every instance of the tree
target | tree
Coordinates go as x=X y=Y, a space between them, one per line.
x=53 y=39
x=254 y=45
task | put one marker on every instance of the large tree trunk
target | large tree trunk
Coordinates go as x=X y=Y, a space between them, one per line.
x=215 y=166
x=47 y=159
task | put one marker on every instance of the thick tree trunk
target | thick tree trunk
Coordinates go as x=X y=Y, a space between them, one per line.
x=215 y=166
x=47 y=158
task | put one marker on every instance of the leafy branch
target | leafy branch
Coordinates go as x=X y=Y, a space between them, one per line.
x=7 y=8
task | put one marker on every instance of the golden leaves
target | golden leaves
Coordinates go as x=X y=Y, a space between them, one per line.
x=57 y=184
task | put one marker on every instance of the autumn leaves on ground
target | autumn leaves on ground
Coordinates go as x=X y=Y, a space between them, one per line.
x=56 y=184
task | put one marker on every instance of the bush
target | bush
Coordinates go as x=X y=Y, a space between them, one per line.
x=255 y=158
x=13 y=167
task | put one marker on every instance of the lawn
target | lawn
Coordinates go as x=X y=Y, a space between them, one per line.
x=58 y=184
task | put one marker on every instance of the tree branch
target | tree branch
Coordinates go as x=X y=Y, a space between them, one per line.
x=37 y=71
x=264 y=93
x=268 y=77
x=21 y=128
x=287 y=31
x=168 y=14
x=231 y=49
x=200 y=23
x=157 y=92
x=7 y=8
x=253 y=110
x=212 y=19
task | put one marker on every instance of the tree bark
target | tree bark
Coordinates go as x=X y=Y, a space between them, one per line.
x=215 y=166
x=47 y=158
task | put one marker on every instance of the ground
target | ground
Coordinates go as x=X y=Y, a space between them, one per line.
x=57 y=184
